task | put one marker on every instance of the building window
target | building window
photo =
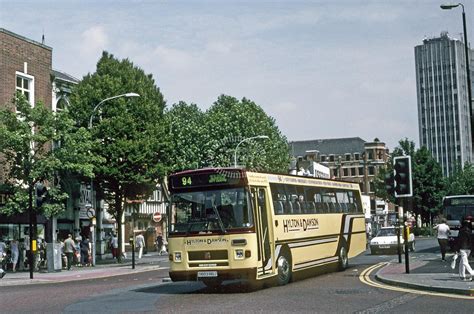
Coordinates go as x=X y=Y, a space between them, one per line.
x=25 y=86
x=331 y=158
x=348 y=157
x=356 y=156
x=353 y=172
x=372 y=187
x=345 y=172
x=323 y=158
x=361 y=171
x=371 y=170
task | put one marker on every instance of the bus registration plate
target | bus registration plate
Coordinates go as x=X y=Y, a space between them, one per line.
x=207 y=274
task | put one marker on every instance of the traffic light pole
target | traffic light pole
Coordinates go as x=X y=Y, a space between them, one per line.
x=405 y=237
x=399 y=247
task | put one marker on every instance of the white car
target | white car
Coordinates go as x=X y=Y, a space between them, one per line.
x=386 y=241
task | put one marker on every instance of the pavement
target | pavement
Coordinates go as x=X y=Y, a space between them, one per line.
x=428 y=273
x=104 y=268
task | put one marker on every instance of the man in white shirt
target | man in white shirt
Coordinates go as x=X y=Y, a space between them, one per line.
x=140 y=240
x=443 y=236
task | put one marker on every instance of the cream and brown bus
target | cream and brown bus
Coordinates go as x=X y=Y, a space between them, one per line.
x=229 y=223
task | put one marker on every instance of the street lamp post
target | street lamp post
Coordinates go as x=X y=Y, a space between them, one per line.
x=468 y=70
x=93 y=222
x=246 y=140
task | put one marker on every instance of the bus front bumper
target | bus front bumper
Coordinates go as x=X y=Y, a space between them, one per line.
x=224 y=274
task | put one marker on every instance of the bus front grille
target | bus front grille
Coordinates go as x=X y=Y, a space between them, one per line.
x=208 y=255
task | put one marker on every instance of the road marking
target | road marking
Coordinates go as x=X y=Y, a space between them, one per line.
x=364 y=277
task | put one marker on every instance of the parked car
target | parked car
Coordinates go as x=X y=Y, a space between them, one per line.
x=386 y=241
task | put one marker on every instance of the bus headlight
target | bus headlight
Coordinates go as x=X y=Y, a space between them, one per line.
x=177 y=257
x=239 y=254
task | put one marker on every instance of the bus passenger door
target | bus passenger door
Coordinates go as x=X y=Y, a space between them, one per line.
x=264 y=234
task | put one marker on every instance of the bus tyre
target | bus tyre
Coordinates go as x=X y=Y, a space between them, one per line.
x=284 y=269
x=343 y=259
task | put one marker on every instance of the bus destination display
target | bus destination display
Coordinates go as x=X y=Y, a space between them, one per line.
x=205 y=179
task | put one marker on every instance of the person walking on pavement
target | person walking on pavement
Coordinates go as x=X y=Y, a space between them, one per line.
x=15 y=253
x=443 y=235
x=114 y=246
x=464 y=244
x=85 y=251
x=69 y=248
x=140 y=240
x=159 y=243
x=3 y=256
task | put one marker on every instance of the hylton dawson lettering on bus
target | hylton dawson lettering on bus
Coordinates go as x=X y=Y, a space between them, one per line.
x=205 y=241
x=298 y=224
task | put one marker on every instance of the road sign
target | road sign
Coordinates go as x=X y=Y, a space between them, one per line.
x=157 y=217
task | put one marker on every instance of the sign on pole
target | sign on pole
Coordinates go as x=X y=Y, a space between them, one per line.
x=157 y=217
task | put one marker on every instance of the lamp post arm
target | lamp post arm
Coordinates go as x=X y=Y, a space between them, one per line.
x=107 y=99
x=246 y=140
x=237 y=147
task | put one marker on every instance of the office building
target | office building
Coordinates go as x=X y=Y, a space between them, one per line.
x=442 y=96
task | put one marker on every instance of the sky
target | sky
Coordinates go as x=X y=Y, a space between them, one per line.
x=322 y=69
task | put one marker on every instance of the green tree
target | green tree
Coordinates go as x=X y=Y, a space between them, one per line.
x=128 y=133
x=461 y=182
x=427 y=184
x=27 y=137
x=229 y=121
x=186 y=130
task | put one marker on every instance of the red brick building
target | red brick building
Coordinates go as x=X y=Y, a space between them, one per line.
x=25 y=66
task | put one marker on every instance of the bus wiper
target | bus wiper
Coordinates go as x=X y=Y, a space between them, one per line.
x=219 y=220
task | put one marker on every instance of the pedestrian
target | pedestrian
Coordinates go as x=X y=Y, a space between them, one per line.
x=3 y=254
x=15 y=253
x=464 y=245
x=114 y=246
x=140 y=240
x=85 y=246
x=443 y=237
x=159 y=243
x=26 y=256
x=69 y=249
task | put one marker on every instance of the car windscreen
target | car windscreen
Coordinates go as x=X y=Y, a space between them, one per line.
x=386 y=232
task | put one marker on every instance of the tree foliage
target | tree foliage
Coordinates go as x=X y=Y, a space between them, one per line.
x=128 y=132
x=461 y=182
x=228 y=122
x=27 y=134
x=187 y=133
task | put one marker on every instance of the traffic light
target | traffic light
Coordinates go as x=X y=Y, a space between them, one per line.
x=402 y=169
x=41 y=193
x=389 y=183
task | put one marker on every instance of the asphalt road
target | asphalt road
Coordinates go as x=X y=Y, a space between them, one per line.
x=336 y=292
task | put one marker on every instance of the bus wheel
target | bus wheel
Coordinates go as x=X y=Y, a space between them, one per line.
x=212 y=283
x=343 y=259
x=284 y=269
